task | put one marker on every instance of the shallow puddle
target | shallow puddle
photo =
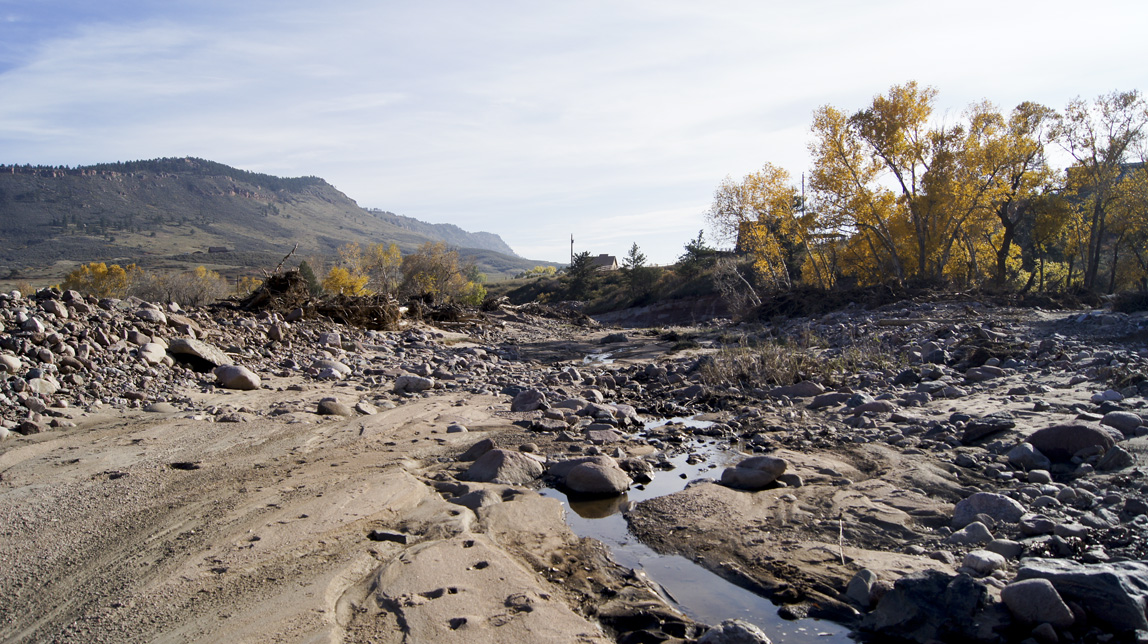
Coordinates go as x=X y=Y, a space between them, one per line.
x=692 y=589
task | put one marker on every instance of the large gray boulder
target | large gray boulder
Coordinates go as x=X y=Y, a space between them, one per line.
x=503 y=466
x=735 y=631
x=1026 y=457
x=596 y=479
x=11 y=364
x=932 y=605
x=1125 y=421
x=1060 y=442
x=754 y=473
x=197 y=352
x=231 y=376
x=999 y=507
x=1035 y=601
x=560 y=469
x=410 y=384
x=1114 y=593
x=529 y=400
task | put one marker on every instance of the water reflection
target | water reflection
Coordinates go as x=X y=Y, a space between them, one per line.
x=686 y=585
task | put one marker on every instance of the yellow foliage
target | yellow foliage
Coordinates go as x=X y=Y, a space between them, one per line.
x=101 y=280
x=384 y=267
x=247 y=284
x=340 y=280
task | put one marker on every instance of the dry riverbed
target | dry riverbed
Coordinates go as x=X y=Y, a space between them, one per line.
x=344 y=493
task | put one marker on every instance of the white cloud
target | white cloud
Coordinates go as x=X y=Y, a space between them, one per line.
x=533 y=119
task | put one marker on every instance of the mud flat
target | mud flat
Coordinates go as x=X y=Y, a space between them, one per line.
x=978 y=477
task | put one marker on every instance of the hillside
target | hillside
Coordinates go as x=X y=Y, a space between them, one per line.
x=165 y=211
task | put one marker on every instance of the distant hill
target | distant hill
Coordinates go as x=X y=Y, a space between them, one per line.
x=173 y=211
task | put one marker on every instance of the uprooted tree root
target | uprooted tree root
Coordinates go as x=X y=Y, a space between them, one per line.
x=284 y=292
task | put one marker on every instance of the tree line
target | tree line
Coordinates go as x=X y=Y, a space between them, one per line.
x=893 y=197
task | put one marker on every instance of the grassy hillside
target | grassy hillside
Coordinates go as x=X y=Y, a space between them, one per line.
x=170 y=212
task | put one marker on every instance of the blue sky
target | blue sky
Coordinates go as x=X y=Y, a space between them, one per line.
x=613 y=121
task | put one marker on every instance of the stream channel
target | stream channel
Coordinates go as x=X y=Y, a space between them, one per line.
x=692 y=589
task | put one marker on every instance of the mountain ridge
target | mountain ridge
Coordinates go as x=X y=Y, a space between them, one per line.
x=175 y=206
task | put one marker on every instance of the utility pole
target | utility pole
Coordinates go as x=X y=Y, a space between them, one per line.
x=571 y=249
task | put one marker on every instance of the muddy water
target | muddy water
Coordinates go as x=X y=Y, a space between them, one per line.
x=692 y=589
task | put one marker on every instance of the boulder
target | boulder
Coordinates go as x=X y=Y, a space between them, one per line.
x=754 y=473
x=154 y=316
x=974 y=534
x=409 y=384
x=1026 y=457
x=529 y=400
x=829 y=399
x=332 y=407
x=1116 y=458
x=803 y=389
x=596 y=479
x=560 y=469
x=201 y=355
x=979 y=428
x=1125 y=421
x=1035 y=601
x=504 y=466
x=10 y=364
x=1114 y=593
x=335 y=366
x=44 y=386
x=1060 y=442
x=931 y=605
x=152 y=352
x=734 y=631
x=478 y=449
x=1001 y=508
x=236 y=377
x=860 y=588
x=983 y=562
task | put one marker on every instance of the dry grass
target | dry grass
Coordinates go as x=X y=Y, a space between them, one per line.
x=777 y=362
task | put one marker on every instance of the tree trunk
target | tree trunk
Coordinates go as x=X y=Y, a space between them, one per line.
x=1112 y=273
x=1095 y=237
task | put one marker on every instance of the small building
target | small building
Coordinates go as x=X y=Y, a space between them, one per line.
x=605 y=262
x=218 y=249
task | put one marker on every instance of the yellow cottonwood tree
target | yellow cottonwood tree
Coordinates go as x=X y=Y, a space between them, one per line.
x=764 y=217
x=101 y=280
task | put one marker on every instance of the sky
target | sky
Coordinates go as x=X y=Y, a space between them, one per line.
x=613 y=121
